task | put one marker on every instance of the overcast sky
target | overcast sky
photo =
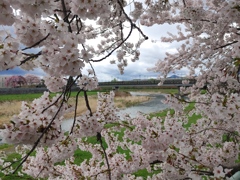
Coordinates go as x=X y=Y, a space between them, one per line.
x=150 y=53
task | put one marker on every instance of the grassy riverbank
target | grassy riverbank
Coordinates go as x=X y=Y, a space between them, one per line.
x=11 y=104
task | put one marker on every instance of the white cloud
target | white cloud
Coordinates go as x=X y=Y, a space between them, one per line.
x=150 y=51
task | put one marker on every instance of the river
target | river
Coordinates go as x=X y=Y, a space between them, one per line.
x=153 y=105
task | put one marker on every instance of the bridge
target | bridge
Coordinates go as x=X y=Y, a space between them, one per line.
x=170 y=82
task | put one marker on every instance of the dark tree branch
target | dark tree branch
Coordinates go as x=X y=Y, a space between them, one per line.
x=87 y=102
x=30 y=57
x=68 y=87
x=185 y=101
x=66 y=15
x=228 y=44
x=130 y=21
x=75 y=112
x=121 y=28
x=184 y=3
x=65 y=93
x=201 y=172
x=78 y=21
x=156 y=162
x=92 y=68
x=75 y=16
x=99 y=139
x=220 y=129
x=11 y=163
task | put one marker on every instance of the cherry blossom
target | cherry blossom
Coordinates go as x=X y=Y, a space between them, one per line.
x=15 y=81
x=61 y=37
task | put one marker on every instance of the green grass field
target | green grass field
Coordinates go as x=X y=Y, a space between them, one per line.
x=30 y=97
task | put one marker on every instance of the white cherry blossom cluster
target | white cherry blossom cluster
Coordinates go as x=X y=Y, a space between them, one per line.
x=88 y=83
x=106 y=109
x=58 y=152
x=55 y=84
x=33 y=120
x=27 y=29
x=9 y=54
x=138 y=9
x=60 y=56
x=90 y=9
x=7 y=17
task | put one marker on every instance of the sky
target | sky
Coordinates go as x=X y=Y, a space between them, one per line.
x=150 y=53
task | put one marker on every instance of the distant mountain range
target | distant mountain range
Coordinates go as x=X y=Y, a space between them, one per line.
x=174 y=76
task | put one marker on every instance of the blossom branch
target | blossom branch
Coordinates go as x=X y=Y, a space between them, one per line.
x=118 y=46
x=65 y=93
x=133 y=25
x=70 y=82
x=38 y=140
x=190 y=102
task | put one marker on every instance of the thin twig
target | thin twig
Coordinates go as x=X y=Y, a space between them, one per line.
x=53 y=103
x=31 y=57
x=37 y=43
x=201 y=172
x=119 y=45
x=11 y=163
x=185 y=101
x=75 y=111
x=220 y=129
x=92 y=68
x=233 y=171
x=67 y=92
x=225 y=45
x=130 y=21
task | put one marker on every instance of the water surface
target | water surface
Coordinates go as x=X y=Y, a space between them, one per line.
x=155 y=104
